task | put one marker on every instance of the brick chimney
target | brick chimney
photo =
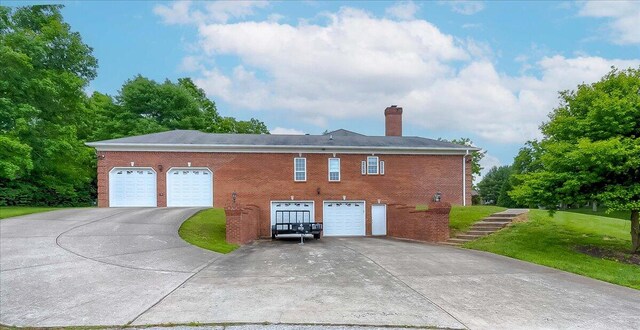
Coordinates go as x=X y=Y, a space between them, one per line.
x=393 y=121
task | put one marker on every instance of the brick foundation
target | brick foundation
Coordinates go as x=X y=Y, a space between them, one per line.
x=430 y=225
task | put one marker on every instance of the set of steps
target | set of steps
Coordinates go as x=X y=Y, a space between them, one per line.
x=486 y=226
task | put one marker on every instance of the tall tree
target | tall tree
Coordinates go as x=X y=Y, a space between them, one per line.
x=44 y=67
x=492 y=184
x=591 y=150
x=476 y=156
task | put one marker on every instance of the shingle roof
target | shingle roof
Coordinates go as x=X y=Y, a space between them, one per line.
x=337 y=139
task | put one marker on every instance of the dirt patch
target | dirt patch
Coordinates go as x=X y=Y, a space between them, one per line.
x=619 y=256
x=524 y=217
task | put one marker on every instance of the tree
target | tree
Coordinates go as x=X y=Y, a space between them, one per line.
x=144 y=106
x=492 y=184
x=590 y=150
x=476 y=156
x=44 y=67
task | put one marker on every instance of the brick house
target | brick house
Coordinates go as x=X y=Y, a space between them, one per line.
x=344 y=179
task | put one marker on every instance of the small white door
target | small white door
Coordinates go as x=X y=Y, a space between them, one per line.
x=189 y=187
x=132 y=187
x=379 y=219
x=343 y=218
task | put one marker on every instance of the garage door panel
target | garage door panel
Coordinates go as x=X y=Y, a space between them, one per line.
x=132 y=187
x=189 y=187
x=344 y=218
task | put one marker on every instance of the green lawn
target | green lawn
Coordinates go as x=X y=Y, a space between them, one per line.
x=462 y=217
x=552 y=241
x=206 y=229
x=14 y=211
x=624 y=215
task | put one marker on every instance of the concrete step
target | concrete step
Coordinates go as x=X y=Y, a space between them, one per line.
x=489 y=224
x=451 y=243
x=497 y=219
x=501 y=223
x=458 y=240
x=504 y=215
x=469 y=236
x=486 y=228
x=480 y=232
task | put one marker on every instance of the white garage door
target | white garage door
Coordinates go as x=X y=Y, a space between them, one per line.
x=131 y=187
x=189 y=187
x=285 y=211
x=343 y=218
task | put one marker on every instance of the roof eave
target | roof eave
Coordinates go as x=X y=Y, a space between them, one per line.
x=269 y=148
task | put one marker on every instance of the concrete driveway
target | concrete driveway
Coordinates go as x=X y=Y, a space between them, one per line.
x=128 y=266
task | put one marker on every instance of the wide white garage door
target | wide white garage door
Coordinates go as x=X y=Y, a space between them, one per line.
x=189 y=187
x=131 y=187
x=343 y=218
x=292 y=211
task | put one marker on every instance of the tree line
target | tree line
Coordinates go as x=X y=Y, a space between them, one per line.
x=46 y=117
x=589 y=153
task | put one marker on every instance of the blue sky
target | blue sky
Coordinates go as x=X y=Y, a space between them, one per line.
x=485 y=70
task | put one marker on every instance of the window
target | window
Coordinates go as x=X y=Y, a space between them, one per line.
x=334 y=169
x=372 y=165
x=300 y=169
x=381 y=167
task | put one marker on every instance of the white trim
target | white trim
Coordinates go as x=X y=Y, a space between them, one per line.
x=166 y=181
x=364 y=206
x=377 y=165
x=464 y=180
x=329 y=169
x=277 y=149
x=381 y=167
x=313 y=208
x=296 y=171
x=363 y=167
x=155 y=182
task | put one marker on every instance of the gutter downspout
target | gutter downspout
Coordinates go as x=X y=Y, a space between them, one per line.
x=464 y=179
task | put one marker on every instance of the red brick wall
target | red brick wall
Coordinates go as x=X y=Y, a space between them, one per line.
x=242 y=224
x=431 y=225
x=260 y=178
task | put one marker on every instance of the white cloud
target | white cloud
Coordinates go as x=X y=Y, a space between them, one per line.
x=404 y=10
x=178 y=12
x=185 y=12
x=286 y=131
x=357 y=64
x=623 y=18
x=465 y=7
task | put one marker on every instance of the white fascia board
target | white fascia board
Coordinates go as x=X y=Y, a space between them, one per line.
x=277 y=149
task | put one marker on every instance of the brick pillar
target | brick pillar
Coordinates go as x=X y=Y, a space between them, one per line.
x=234 y=230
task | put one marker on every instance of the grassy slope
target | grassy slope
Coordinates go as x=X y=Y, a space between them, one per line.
x=551 y=241
x=462 y=217
x=206 y=229
x=624 y=215
x=14 y=211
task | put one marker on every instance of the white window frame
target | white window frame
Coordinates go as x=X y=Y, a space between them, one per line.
x=381 y=167
x=377 y=165
x=295 y=170
x=329 y=169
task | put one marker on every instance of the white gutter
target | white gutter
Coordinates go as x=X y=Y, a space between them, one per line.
x=464 y=179
x=273 y=149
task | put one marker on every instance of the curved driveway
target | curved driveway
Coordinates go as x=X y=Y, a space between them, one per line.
x=128 y=266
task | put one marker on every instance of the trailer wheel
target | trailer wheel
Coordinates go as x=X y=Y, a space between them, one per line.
x=316 y=236
x=273 y=235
